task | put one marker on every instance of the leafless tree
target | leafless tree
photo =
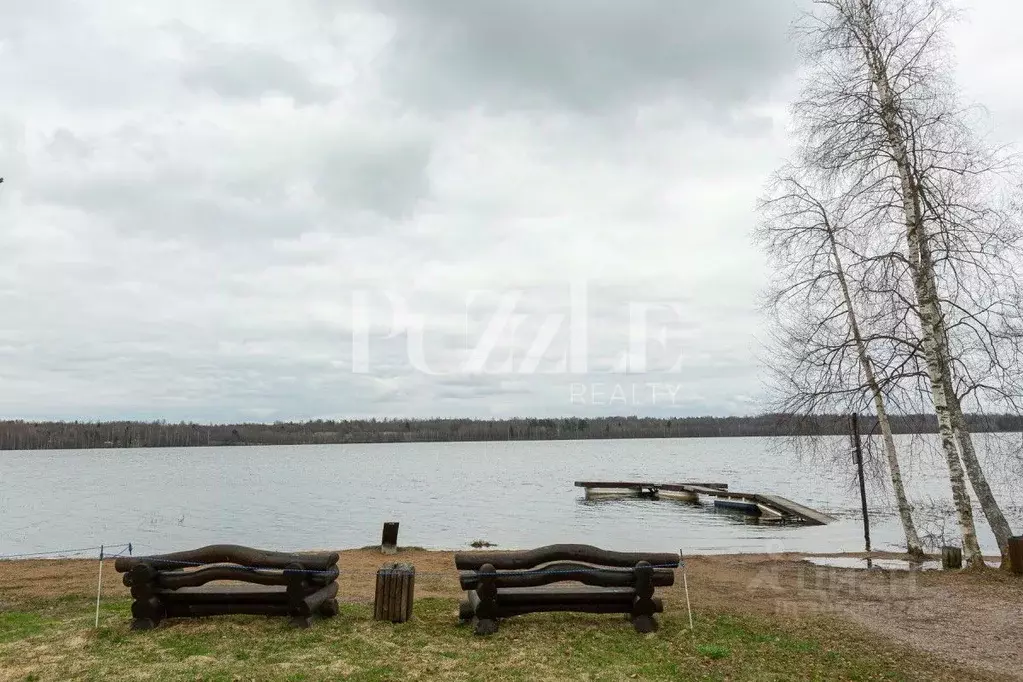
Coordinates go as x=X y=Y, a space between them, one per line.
x=879 y=111
x=821 y=351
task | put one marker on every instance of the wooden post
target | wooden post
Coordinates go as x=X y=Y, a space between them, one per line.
x=951 y=558
x=1016 y=554
x=389 y=539
x=643 y=607
x=147 y=609
x=858 y=453
x=395 y=593
x=297 y=589
x=486 y=609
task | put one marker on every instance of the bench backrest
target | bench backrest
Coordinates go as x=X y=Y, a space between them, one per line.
x=232 y=562
x=556 y=563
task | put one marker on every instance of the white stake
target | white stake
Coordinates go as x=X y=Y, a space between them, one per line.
x=689 y=608
x=99 y=583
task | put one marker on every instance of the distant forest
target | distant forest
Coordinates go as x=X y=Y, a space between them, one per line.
x=22 y=435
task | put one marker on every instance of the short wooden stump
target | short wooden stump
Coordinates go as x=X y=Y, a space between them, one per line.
x=951 y=558
x=395 y=592
x=1016 y=554
x=389 y=538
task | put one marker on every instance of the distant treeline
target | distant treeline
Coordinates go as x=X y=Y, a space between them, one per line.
x=22 y=435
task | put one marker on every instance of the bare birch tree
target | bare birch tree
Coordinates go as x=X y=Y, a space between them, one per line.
x=821 y=350
x=880 y=107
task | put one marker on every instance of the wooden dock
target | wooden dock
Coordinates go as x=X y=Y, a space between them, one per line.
x=767 y=507
x=811 y=516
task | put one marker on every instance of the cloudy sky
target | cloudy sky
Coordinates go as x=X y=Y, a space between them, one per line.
x=270 y=210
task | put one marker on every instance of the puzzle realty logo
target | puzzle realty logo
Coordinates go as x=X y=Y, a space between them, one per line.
x=603 y=394
x=503 y=333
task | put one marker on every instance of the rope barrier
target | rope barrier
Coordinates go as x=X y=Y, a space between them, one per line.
x=310 y=571
x=121 y=553
x=127 y=547
x=60 y=553
x=535 y=571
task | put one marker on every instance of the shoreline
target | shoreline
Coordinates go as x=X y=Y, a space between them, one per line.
x=993 y=560
x=786 y=555
x=523 y=430
x=913 y=609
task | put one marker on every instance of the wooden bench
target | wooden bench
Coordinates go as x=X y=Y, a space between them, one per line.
x=504 y=584
x=274 y=584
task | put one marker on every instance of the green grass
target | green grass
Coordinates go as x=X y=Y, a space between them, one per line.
x=713 y=650
x=20 y=625
x=55 y=640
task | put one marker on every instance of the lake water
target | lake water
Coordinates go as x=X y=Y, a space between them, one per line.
x=445 y=495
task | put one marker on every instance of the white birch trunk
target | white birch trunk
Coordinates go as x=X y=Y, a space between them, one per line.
x=988 y=504
x=992 y=511
x=913 y=544
x=930 y=318
x=932 y=326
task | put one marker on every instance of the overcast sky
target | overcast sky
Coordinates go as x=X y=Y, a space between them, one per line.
x=204 y=200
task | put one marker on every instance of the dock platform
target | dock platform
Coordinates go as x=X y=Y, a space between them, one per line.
x=766 y=506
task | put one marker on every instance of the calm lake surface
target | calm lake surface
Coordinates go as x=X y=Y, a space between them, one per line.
x=445 y=495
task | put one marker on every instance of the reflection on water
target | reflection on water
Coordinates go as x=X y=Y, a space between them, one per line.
x=445 y=495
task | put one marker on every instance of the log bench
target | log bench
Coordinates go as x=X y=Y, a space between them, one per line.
x=175 y=585
x=504 y=584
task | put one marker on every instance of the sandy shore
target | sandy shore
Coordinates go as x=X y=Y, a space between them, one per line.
x=967 y=617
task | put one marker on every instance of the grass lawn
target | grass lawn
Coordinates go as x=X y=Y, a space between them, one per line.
x=54 y=639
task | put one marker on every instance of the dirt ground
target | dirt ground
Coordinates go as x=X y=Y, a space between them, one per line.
x=971 y=618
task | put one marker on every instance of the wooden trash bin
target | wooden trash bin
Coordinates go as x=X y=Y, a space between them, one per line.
x=395 y=592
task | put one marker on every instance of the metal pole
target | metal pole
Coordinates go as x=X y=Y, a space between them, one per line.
x=858 y=453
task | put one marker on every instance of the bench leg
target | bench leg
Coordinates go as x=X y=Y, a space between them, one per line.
x=485 y=626
x=144 y=623
x=644 y=624
x=301 y=621
x=329 y=608
x=644 y=606
x=146 y=610
x=466 y=612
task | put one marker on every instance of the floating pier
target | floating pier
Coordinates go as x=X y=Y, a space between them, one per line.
x=767 y=507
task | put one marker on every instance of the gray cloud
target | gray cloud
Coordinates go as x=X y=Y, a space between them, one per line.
x=195 y=193
x=234 y=71
x=589 y=54
x=161 y=181
x=388 y=175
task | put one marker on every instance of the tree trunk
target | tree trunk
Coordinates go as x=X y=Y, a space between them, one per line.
x=992 y=512
x=989 y=505
x=913 y=544
x=932 y=324
x=930 y=319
